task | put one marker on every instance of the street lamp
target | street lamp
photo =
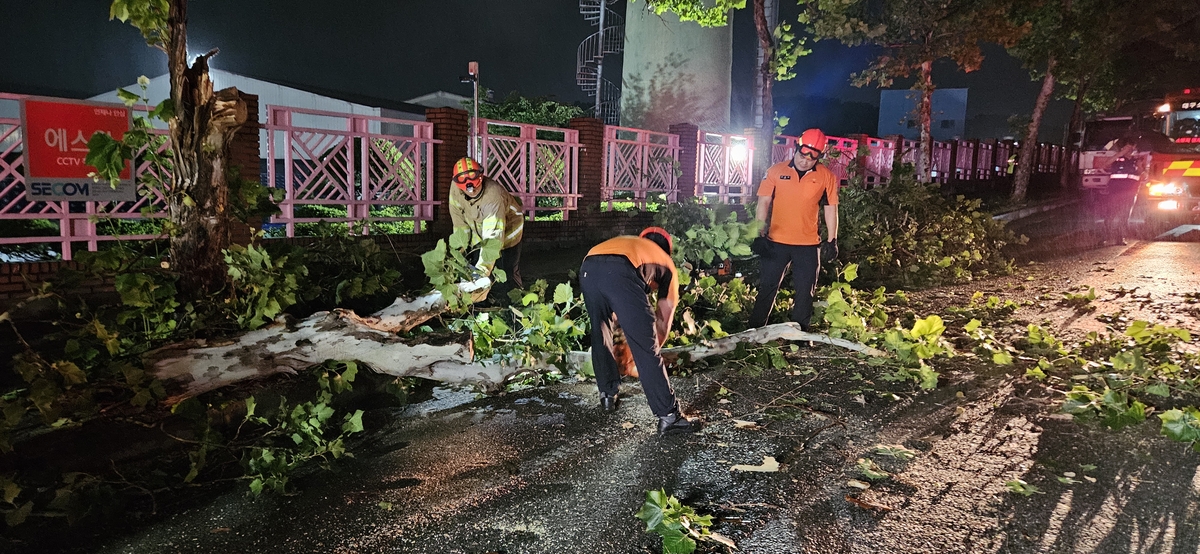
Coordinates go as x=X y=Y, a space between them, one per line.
x=473 y=78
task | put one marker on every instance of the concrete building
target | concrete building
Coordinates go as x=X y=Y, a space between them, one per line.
x=674 y=72
x=898 y=113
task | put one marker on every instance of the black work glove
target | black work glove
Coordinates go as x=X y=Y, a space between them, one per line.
x=829 y=250
x=761 y=246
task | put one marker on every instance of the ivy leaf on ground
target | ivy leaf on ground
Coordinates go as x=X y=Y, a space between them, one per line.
x=1018 y=486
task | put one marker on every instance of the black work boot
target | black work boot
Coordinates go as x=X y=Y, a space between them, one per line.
x=608 y=402
x=674 y=423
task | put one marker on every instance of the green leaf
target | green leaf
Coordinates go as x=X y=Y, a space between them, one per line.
x=18 y=516
x=1017 y=486
x=651 y=511
x=70 y=372
x=850 y=273
x=1159 y=389
x=250 y=405
x=353 y=423
x=1181 y=425
x=256 y=486
x=129 y=98
x=972 y=325
x=1001 y=357
x=563 y=293
x=676 y=542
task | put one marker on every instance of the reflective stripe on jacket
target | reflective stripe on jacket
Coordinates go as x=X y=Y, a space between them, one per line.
x=493 y=214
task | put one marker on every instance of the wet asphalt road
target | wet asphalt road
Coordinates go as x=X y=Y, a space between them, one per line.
x=545 y=471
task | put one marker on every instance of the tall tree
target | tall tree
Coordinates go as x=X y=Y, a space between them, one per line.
x=913 y=35
x=202 y=123
x=1101 y=54
x=779 y=47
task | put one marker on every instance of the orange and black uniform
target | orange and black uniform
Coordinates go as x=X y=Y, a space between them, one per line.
x=792 y=236
x=616 y=277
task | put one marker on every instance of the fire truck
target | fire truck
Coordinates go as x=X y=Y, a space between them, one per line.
x=1166 y=136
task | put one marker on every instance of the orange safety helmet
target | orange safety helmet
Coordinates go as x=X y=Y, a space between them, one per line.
x=468 y=175
x=812 y=140
x=659 y=231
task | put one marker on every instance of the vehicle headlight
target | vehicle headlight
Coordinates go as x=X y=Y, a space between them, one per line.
x=1165 y=189
x=1092 y=171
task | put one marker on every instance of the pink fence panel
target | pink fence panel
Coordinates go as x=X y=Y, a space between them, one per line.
x=723 y=166
x=639 y=165
x=784 y=148
x=877 y=166
x=985 y=153
x=373 y=168
x=537 y=164
x=964 y=159
x=940 y=170
x=839 y=154
x=89 y=222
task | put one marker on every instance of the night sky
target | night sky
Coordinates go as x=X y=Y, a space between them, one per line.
x=400 y=49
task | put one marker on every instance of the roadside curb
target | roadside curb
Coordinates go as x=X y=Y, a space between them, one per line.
x=1026 y=212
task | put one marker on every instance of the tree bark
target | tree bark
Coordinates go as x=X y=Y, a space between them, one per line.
x=198 y=366
x=766 y=132
x=925 y=113
x=1067 y=178
x=203 y=125
x=1029 y=146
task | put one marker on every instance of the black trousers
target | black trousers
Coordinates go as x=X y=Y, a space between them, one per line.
x=510 y=262
x=806 y=264
x=613 y=291
x=1116 y=207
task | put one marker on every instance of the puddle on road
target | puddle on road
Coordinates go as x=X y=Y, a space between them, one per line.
x=444 y=398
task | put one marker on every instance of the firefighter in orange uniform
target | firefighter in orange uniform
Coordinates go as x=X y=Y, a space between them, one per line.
x=789 y=199
x=616 y=277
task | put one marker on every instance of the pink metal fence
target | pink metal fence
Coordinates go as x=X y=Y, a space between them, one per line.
x=839 y=153
x=723 y=166
x=77 y=222
x=877 y=167
x=639 y=165
x=365 y=167
x=539 y=165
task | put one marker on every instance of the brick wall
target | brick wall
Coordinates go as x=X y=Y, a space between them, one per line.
x=16 y=280
x=452 y=127
x=688 y=136
x=243 y=156
x=591 y=164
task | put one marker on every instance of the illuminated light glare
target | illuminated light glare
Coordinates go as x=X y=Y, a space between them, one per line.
x=738 y=152
x=1165 y=189
x=1165 y=108
x=1168 y=205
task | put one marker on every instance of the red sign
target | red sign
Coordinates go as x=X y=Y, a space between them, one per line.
x=57 y=133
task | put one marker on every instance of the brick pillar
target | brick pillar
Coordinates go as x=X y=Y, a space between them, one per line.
x=591 y=163
x=245 y=160
x=452 y=127
x=688 y=137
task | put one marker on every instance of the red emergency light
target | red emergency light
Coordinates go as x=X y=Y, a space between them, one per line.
x=1188 y=140
x=1187 y=91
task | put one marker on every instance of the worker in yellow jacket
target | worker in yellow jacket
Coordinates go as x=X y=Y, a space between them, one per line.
x=482 y=207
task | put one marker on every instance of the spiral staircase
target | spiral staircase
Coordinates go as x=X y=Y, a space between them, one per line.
x=589 y=67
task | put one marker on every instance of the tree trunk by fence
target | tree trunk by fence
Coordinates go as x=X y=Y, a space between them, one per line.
x=203 y=126
x=1029 y=147
x=765 y=141
x=925 y=112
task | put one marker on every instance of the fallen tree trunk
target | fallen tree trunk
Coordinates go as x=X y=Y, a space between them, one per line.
x=199 y=366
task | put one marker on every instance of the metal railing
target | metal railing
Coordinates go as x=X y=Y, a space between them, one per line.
x=537 y=164
x=723 y=167
x=639 y=166
x=349 y=168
